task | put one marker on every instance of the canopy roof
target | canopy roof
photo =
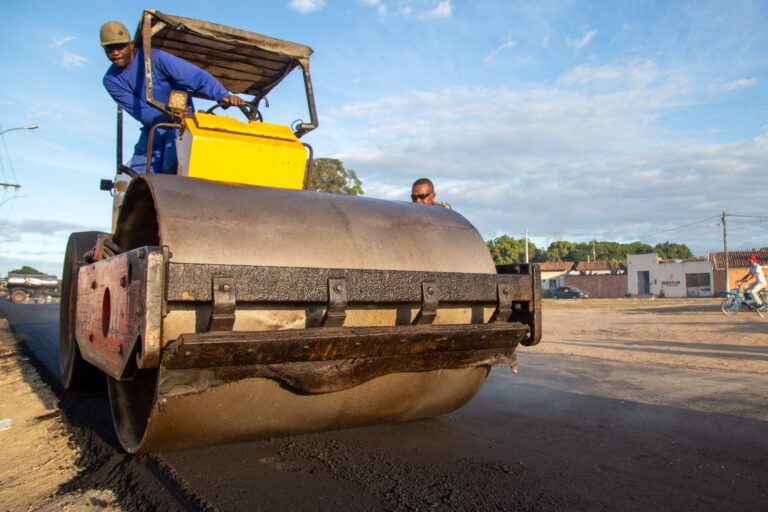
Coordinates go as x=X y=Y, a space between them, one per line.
x=244 y=62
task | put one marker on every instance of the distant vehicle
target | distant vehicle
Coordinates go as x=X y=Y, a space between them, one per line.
x=25 y=287
x=569 y=292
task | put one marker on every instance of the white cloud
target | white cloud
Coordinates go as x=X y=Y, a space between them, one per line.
x=443 y=9
x=632 y=74
x=578 y=44
x=37 y=112
x=503 y=47
x=742 y=83
x=306 y=6
x=587 y=162
x=38 y=243
x=67 y=59
x=406 y=9
x=381 y=9
x=47 y=265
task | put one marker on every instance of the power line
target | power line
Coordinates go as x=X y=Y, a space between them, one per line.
x=748 y=216
x=748 y=229
x=680 y=227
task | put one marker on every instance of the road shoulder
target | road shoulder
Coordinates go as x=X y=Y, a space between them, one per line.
x=38 y=457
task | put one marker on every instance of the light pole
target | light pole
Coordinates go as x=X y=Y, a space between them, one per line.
x=12 y=197
x=25 y=127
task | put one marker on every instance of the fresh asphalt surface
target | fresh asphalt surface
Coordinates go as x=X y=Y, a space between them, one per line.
x=563 y=434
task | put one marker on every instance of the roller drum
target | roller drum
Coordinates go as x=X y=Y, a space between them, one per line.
x=212 y=223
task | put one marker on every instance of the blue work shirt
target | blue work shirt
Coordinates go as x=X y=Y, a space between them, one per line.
x=126 y=86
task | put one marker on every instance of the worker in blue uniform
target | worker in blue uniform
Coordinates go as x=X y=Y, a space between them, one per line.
x=124 y=81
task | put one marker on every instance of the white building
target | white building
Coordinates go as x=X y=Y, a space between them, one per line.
x=552 y=273
x=649 y=275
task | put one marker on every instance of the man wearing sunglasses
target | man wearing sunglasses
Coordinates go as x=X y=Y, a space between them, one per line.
x=423 y=191
x=124 y=81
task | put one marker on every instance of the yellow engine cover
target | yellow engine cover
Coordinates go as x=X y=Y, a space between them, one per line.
x=225 y=149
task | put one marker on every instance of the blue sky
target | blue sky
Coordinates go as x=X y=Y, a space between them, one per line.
x=576 y=120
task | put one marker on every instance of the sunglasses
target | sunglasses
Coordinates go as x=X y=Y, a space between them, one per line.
x=117 y=46
x=420 y=196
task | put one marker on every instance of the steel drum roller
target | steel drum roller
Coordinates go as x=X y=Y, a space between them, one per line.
x=206 y=222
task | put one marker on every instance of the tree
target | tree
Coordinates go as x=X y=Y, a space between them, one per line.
x=506 y=249
x=25 y=270
x=560 y=251
x=671 y=250
x=329 y=175
x=563 y=250
x=637 y=248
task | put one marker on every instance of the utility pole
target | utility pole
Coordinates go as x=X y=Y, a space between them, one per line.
x=594 y=250
x=725 y=253
x=10 y=185
x=526 y=245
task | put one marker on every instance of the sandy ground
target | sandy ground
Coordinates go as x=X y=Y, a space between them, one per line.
x=38 y=458
x=687 y=333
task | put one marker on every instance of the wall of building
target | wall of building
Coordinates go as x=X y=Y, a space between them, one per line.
x=734 y=274
x=639 y=263
x=673 y=281
x=599 y=285
x=549 y=280
x=669 y=279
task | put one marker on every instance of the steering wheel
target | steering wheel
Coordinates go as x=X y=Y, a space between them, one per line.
x=249 y=110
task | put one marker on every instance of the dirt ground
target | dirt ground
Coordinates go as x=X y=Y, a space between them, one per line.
x=38 y=458
x=686 y=333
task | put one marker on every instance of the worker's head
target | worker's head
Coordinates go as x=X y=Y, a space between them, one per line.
x=752 y=259
x=423 y=191
x=117 y=44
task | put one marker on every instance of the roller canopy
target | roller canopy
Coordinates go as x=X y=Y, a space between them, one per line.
x=244 y=62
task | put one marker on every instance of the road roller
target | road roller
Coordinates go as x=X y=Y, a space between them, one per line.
x=231 y=303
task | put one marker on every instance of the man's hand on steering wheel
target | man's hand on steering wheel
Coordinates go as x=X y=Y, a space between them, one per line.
x=232 y=100
x=249 y=110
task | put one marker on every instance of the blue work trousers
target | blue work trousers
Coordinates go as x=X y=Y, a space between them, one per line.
x=164 y=160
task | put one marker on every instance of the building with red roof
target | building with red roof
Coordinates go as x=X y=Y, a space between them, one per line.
x=737 y=266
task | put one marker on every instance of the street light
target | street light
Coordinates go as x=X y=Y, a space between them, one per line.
x=12 y=197
x=26 y=127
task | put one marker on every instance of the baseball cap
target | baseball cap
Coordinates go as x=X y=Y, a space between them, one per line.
x=114 y=32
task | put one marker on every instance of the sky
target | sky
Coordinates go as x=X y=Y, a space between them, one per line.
x=573 y=120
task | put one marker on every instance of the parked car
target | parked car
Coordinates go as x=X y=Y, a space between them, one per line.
x=569 y=292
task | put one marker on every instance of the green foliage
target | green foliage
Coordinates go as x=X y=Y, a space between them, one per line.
x=506 y=249
x=330 y=176
x=25 y=270
x=636 y=248
x=671 y=250
x=563 y=250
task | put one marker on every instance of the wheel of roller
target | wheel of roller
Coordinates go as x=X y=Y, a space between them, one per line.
x=131 y=403
x=76 y=372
